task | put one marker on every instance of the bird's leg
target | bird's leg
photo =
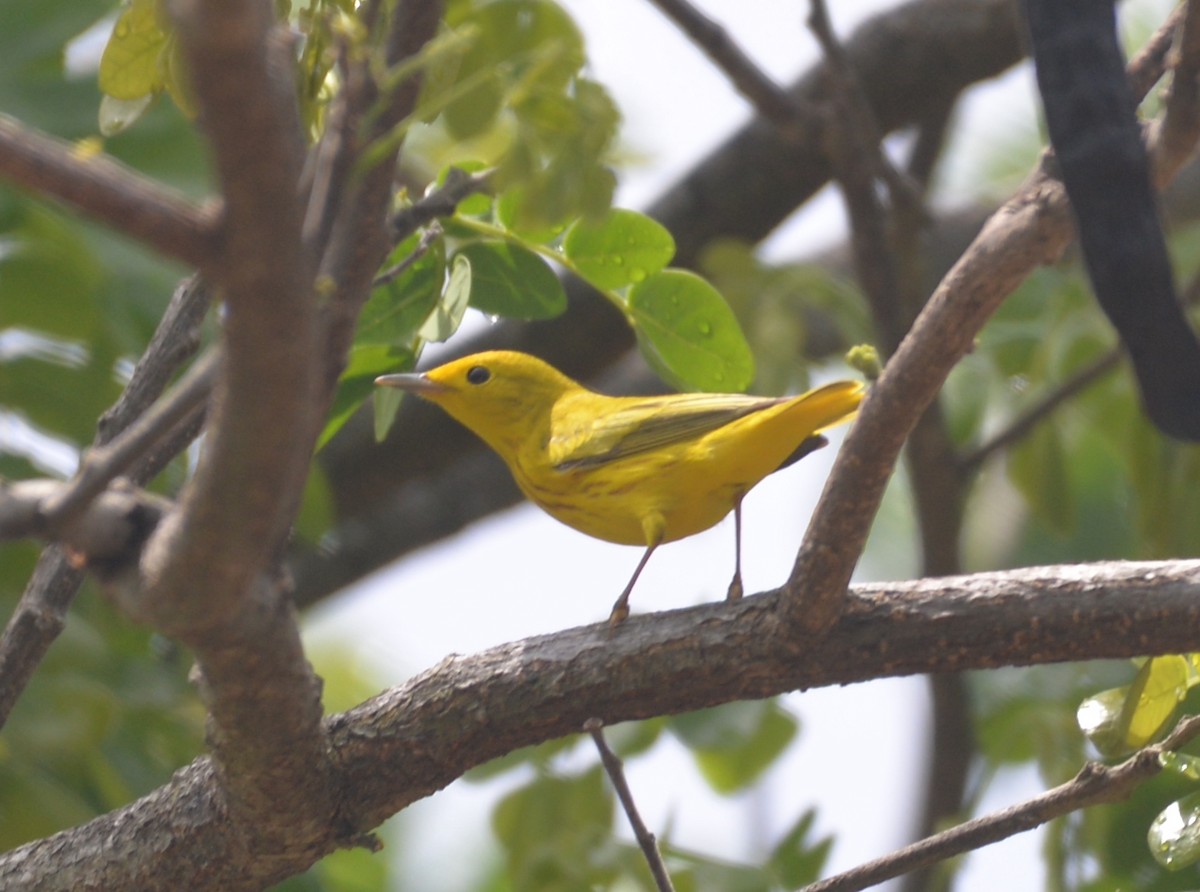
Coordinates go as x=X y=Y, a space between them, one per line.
x=735 y=584
x=620 y=609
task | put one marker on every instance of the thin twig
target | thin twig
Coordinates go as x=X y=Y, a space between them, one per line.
x=774 y=103
x=432 y=233
x=859 y=123
x=1094 y=785
x=930 y=141
x=616 y=774
x=105 y=463
x=1181 y=118
x=441 y=202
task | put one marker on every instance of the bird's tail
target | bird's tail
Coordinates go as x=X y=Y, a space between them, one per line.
x=833 y=404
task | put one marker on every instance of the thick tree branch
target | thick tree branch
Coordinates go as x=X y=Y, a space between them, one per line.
x=412 y=740
x=205 y=573
x=233 y=517
x=111 y=193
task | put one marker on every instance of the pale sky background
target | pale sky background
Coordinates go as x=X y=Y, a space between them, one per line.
x=518 y=573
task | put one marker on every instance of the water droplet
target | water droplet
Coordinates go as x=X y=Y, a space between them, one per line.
x=492 y=318
x=705 y=329
x=638 y=275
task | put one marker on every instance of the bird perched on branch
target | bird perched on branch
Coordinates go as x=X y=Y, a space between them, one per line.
x=631 y=470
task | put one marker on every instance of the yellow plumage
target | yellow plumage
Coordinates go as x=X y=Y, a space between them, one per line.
x=631 y=470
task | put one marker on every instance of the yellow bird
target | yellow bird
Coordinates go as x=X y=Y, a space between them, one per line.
x=632 y=470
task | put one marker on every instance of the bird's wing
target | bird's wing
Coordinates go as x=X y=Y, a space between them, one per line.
x=637 y=426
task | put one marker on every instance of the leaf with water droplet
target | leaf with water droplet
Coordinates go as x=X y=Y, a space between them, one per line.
x=1181 y=764
x=669 y=311
x=619 y=249
x=1174 y=834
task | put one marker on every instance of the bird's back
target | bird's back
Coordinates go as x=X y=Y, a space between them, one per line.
x=611 y=462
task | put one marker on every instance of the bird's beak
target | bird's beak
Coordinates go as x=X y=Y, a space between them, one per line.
x=418 y=384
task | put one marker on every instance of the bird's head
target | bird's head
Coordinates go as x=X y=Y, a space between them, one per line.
x=501 y=395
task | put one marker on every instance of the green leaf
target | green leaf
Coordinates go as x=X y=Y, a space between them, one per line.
x=397 y=310
x=796 y=860
x=1181 y=764
x=316 y=507
x=1099 y=718
x=688 y=334
x=354 y=870
x=511 y=213
x=1161 y=685
x=512 y=35
x=449 y=312
x=1174 y=835
x=621 y=248
x=1121 y=720
x=511 y=281
x=733 y=744
x=554 y=831
x=632 y=738
x=50 y=277
x=130 y=66
x=366 y=363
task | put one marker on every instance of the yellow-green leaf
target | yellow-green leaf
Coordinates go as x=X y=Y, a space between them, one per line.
x=129 y=67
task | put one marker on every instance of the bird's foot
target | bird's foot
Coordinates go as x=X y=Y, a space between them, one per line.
x=735 y=589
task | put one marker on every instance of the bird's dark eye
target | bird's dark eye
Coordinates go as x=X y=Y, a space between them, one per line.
x=479 y=374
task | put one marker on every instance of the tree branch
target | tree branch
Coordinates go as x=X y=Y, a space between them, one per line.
x=616 y=774
x=41 y=613
x=1031 y=228
x=1094 y=785
x=102 y=464
x=206 y=573
x=232 y=517
x=412 y=740
x=111 y=193
x=789 y=114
